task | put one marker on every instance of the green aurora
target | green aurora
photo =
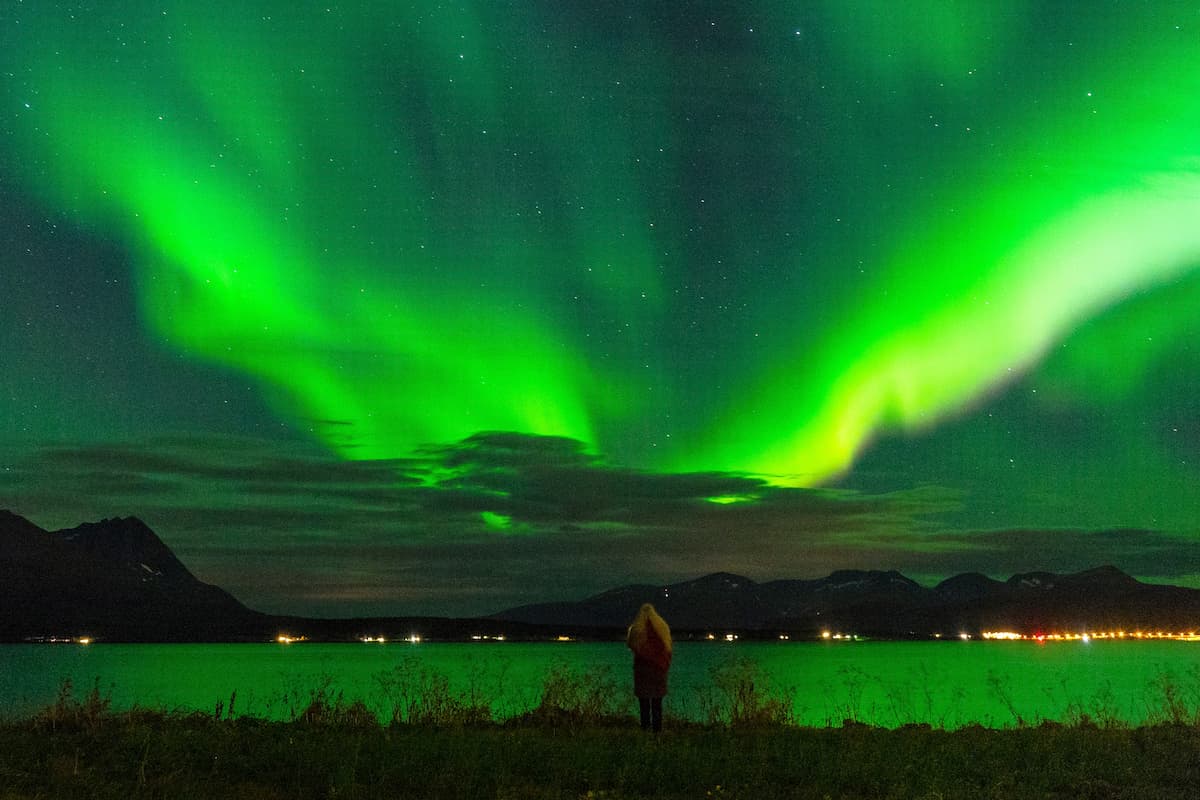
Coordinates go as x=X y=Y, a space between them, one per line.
x=786 y=239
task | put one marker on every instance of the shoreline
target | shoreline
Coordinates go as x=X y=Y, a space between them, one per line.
x=153 y=754
x=572 y=744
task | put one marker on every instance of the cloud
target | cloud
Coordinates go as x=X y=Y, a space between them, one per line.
x=1151 y=554
x=500 y=519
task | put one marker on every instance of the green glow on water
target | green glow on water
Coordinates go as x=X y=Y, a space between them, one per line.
x=946 y=684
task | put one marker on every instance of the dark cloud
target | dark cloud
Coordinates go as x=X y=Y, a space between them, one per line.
x=1148 y=553
x=501 y=519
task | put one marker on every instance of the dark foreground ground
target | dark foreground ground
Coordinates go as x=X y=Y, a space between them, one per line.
x=153 y=755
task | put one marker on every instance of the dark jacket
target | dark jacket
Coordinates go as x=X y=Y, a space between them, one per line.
x=650 y=666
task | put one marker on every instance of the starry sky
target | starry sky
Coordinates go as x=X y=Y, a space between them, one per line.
x=385 y=308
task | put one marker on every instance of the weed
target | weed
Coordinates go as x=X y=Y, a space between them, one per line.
x=579 y=696
x=1172 y=701
x=740 y=694
x=415 y=694
x=1002 y=689
x=67 y=711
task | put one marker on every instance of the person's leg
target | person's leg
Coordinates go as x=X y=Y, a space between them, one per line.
x=656 y=713
x=644 y=704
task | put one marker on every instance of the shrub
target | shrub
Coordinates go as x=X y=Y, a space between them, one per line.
x=740 y=694
x=67 y=711
x=1173 y=701
x=588 y=696
x=418 y=695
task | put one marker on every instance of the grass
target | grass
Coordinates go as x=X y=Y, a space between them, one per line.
x=578 y=741
x=173 y=756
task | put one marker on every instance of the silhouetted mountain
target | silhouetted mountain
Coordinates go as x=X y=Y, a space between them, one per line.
x=728 y=601
x=887 y=604
x=116 y=580
x=113 y=579
x=967 y=586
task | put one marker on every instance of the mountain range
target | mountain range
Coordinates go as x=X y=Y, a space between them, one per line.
x=116 y=580
x=887 y=604
x=114 y=577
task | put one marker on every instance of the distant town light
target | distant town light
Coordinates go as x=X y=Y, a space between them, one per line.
x=1178 y=636
x=84 y=640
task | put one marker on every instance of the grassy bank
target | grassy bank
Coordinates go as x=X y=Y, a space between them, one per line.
x=578 y=741
x=163 y=756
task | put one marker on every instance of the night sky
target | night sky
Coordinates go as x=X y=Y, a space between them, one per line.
x=385 y=308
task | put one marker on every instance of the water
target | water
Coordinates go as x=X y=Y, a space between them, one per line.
x=886 y=683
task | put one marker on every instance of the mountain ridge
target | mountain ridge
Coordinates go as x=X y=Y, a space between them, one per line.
x=106 y=576
x=116 y=579
x=887 y=604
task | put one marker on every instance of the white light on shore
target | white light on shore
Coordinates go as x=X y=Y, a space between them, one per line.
x=1180 y=636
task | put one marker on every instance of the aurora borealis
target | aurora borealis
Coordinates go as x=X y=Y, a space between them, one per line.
x=930 y=273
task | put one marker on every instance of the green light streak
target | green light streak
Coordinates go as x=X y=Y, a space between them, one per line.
x=1098 y=255
x=247 y=260
x=412 y=227
x=494 y=520
x=980 y=298
x=731 y=499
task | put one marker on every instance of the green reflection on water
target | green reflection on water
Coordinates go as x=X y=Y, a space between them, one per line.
x=946 y=684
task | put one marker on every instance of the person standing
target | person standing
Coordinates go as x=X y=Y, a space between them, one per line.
x=650 y=640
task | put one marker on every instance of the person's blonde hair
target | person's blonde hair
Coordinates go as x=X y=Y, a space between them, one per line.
x=646 y=618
